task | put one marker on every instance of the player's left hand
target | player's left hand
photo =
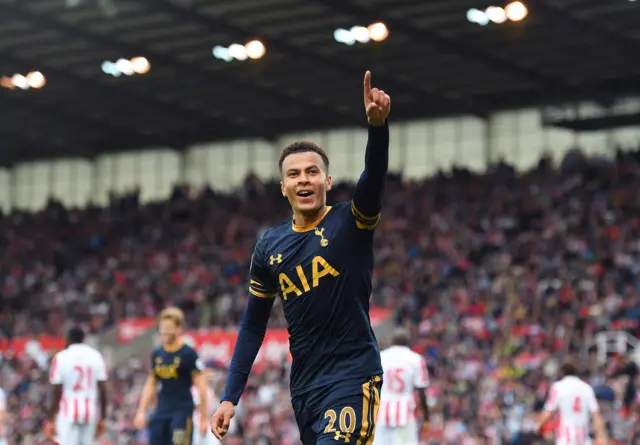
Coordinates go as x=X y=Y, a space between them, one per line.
x=377 y=103
x=49 y=429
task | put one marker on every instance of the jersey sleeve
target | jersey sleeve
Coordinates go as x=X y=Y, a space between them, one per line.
x=194 y=362
x=551 y=405
x=421 y=374
x=366 y=204
x=262 y=282
x=3 y=401
x=593 y=402
x=195 y=395
x=55 y=371
x=101 y=368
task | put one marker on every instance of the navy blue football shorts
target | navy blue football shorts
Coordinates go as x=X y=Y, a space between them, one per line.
x=174 y=428
x=342 y=413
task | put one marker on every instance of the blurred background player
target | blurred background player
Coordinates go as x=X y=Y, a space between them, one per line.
x=176 y=367
x=320 y=262
x=575 y=402
x=405 y=381
x=79 y=406
x=198 y=419
x=3 y=417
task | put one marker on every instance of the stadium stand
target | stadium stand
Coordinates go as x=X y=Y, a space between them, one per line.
x=497 y=275
x=510 y=237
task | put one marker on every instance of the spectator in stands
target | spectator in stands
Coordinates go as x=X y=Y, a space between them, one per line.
x=497 y=276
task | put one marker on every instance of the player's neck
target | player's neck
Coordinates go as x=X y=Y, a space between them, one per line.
x=307 y=219
x=173 y=347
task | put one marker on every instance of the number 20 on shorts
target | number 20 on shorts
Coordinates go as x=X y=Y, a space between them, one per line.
x=346 y=423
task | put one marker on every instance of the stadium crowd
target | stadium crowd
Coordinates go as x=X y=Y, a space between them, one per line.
x=499 y=276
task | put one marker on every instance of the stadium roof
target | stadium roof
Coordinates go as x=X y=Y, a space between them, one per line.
x=434 y=62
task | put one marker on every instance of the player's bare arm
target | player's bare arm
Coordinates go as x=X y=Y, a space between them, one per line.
x=3 y=420
x=367 y=200
x=543 y=420
x=148 y=394
x=423 y=409
x=102 y=391
x=3 y=413
x=601 y=431
x=56 y=397
x=200 y=382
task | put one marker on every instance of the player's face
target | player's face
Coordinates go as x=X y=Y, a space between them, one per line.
x=305 y=182
x=169 y=332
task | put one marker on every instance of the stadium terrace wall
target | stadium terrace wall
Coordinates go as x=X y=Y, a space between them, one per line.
x=419 y=148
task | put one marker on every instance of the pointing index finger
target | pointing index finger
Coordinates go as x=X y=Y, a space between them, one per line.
x=367 y=83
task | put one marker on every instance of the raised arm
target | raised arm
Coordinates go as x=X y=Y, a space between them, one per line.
x=262 y=293
x=367 y=200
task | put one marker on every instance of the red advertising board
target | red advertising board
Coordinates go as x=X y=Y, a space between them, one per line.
x=218 y=345
x=212 y=345
x=130 y=328
x=45 y=343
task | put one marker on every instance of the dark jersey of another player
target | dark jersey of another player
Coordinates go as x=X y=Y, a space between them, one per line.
x=323 y=274
x=173 y=372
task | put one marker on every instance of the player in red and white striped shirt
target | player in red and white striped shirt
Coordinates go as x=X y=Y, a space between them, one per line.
x=403 y=394
x=3 y=418
x=208 y=438
x=78 y=375
x=575 y=401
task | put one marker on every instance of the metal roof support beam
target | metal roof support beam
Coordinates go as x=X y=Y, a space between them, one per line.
x=203 y=75
x=110 y=92
x=395 y=85
x=374 y=14
x=49 y=112
x=622 y=43
x=18 y=146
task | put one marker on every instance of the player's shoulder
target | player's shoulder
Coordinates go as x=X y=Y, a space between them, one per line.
x=95 y=354
x=187 y=349
x=59 y=357
x=585 y=386
x=402 y=353
x=341 y=208
x=158 y=352
x=272 y=235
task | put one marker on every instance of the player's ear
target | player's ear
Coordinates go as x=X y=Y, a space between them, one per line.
x=282 y=189
x=328 y=183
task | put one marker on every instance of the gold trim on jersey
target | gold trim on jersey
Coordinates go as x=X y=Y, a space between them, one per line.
x=370 y=406
x=313 y=225
x=363 y=221
x=173 y=348
x=260 y=290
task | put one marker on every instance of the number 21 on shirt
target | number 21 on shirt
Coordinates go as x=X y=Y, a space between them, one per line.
x=84 y=379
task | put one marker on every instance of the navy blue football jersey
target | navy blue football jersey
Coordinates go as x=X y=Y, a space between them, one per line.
x=323 y=273
x=173 y=371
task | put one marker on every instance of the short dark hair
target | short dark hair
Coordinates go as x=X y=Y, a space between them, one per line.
x=75 y=335
x=303 y=147
x=569 y=369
